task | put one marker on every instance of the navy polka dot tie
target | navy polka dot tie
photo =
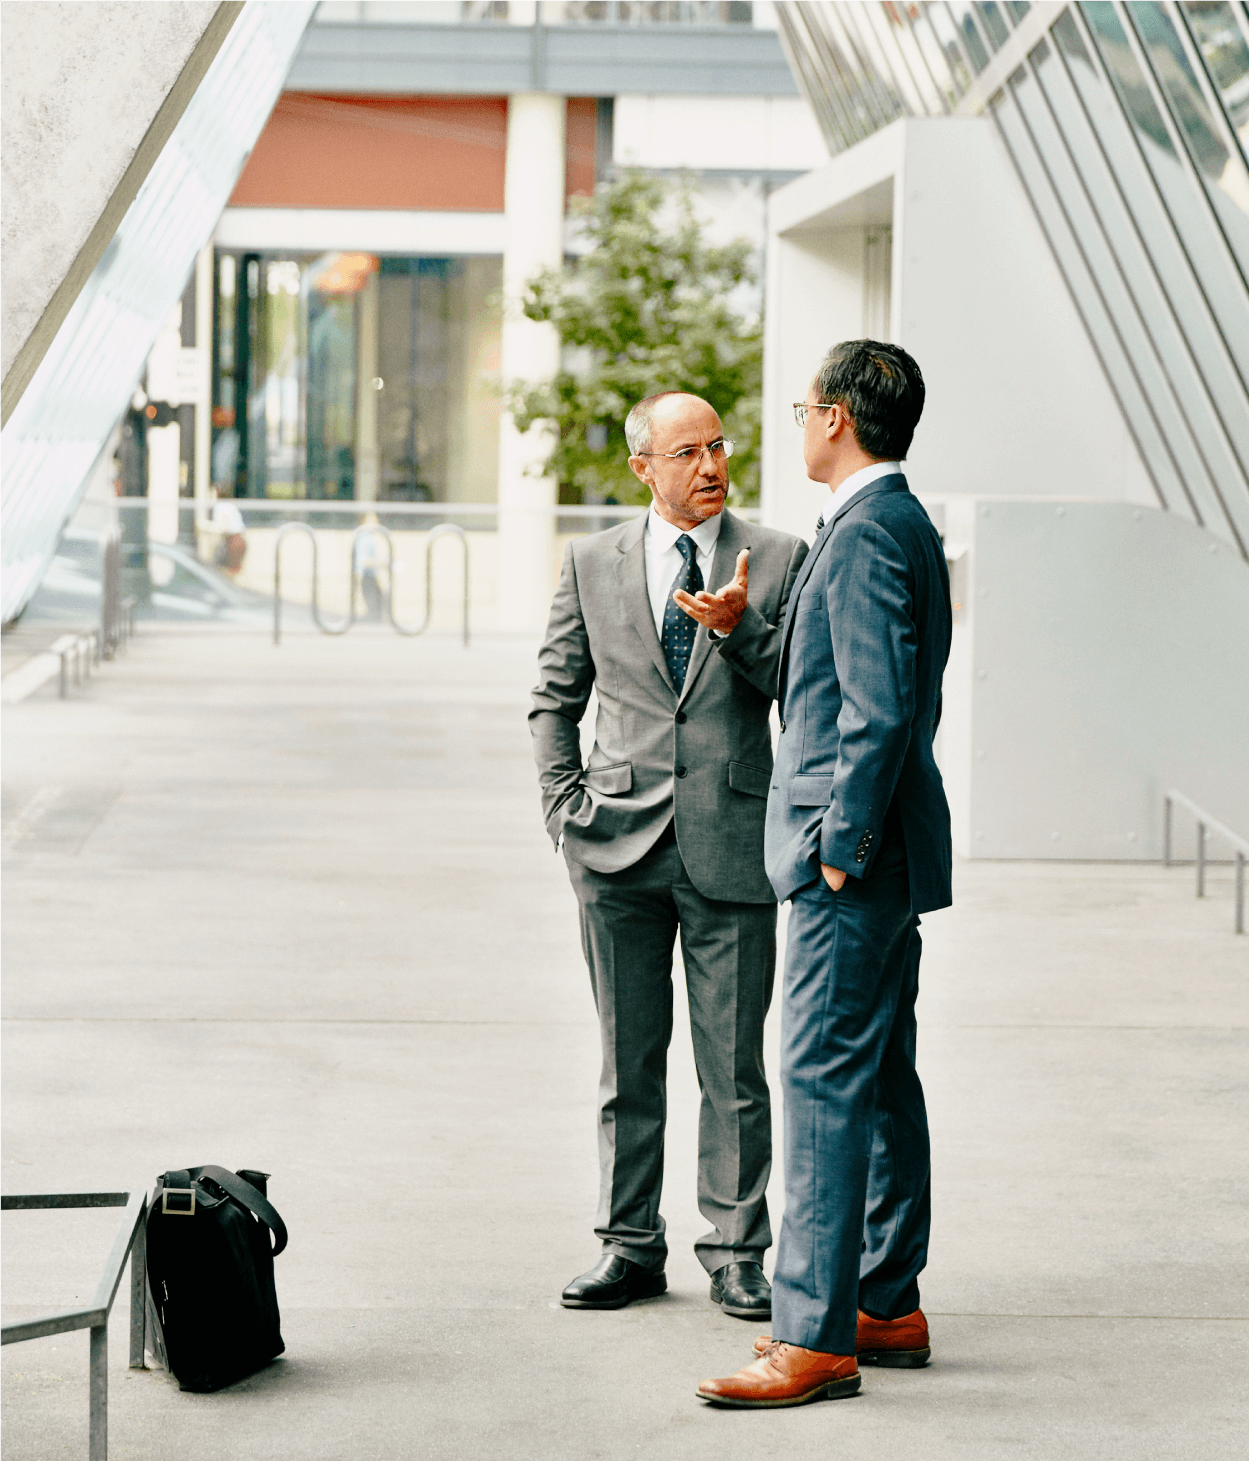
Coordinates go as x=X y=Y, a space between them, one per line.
x=679 y=628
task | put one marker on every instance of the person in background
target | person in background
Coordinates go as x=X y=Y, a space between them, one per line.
x=368 y=555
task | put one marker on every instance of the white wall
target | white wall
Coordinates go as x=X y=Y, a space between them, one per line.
x=730 y=133
x=1100 y=659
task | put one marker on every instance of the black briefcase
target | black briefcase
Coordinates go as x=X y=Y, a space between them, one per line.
x=211 y=1304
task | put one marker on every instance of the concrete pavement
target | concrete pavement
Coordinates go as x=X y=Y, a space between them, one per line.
x=294 y=909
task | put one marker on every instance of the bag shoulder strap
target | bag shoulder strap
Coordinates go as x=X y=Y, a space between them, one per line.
x=251 y=1199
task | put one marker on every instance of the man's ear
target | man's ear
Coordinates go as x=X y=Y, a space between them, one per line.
x=839 y=420
x=640 y=468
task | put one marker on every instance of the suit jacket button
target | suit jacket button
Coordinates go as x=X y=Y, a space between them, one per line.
x=680 y=717
x=680 y=770
x=782 y=727
x=860 y=857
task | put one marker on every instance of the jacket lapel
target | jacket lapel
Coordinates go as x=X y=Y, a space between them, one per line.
x=631 y=581
x=729 y=544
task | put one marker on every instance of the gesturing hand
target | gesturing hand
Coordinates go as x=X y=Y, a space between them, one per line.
x=719 y=611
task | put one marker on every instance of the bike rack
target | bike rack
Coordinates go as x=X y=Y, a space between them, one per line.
x=411 y=630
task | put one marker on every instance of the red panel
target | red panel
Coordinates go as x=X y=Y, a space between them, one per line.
x=579 y=138
x=379 y=152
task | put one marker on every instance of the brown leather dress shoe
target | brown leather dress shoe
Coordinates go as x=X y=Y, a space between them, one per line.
x=895 y=1344
x=786 y=1374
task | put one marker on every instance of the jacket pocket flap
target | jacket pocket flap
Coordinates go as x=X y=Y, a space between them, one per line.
x=610 y=780
x=811 y=791
x=749 y=779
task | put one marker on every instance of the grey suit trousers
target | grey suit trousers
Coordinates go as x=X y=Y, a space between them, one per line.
x=629 y=924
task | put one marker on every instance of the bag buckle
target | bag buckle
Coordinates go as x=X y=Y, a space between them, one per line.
x=180 y=1193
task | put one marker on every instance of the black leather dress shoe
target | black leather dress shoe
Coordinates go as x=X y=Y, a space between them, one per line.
x=741 y=1290
x=612 y=1283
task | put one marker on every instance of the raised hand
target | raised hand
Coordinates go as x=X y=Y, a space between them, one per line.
x=721 y=611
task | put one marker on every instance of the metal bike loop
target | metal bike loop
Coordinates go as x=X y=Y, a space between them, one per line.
x=410 y=630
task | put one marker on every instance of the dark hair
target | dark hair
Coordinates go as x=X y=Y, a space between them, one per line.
x=881 y=388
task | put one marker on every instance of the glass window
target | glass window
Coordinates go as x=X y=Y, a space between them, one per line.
x=894 y=87
x=943 y=28
x=1123 y=382
x=362 y=377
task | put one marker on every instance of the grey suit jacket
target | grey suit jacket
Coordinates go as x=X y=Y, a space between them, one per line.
x=705 y=755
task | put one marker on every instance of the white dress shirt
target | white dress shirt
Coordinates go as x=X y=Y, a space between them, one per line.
x=664 y=560
x=856 y=483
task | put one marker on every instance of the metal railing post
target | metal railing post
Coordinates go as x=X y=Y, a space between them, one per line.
x=1240 y=891
x=97 y=1449
x=1207 y=826
x=138 y=1297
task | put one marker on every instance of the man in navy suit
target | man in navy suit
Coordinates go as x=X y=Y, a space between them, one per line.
x=858 y=839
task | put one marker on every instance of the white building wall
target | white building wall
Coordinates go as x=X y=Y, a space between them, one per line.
x=1017 y=400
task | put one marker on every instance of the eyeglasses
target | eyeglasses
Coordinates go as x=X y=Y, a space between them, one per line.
x=718 y=449
x=802 y=407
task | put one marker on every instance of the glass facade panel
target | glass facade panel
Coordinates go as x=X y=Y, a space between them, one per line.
x=1214 y=152
x=963 y=15
x=1114 y=173
x=1116 y=299
x=1122 y=379
x=992 y=20
x=1127 y=126
x=1218 y=275
x=1225 y=51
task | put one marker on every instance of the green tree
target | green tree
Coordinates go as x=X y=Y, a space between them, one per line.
x=647 y=308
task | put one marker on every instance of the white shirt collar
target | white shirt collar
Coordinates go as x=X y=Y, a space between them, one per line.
x=856 y=483
x=666 y=534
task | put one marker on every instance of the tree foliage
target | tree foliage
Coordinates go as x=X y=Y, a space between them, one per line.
x=647 y=308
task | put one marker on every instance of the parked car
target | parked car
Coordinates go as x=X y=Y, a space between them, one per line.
x=183 y=589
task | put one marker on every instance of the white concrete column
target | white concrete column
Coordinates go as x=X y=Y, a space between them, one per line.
x=367 y=402
x=204 y=402
x=533 y=239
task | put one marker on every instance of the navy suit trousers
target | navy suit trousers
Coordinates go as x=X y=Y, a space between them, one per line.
x=855 y=1232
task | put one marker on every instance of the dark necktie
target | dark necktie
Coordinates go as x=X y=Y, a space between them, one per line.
x=679 y=628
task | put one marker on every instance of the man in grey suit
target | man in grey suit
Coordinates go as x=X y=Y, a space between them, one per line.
x=662 y=831
x=858 y=840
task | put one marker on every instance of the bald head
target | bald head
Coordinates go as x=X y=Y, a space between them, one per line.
x=640 y=423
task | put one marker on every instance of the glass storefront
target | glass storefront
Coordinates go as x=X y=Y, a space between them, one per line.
x=350 y=375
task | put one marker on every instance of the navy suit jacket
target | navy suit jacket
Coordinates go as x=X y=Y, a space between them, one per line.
x=865 y=642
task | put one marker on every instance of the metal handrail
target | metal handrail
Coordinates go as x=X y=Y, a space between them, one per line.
x=441 y=530
x=130 y=1242
x=1205 y=825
